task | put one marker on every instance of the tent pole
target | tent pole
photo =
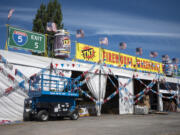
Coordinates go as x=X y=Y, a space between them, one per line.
x=99 y=105
x=99 y=101
x=178 y=93
x=159 y=105
x=160 y=101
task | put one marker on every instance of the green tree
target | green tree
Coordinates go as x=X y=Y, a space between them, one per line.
x=48 y=13
x=39 y=23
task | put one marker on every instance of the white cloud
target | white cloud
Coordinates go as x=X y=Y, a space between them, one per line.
x=132 y=33
x=21 y=17
x=113 y=23
x=24 y=17
x=21 y=9
x=20 y=13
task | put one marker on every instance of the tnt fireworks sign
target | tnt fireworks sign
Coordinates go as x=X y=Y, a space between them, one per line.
x=18 y=38
x=87 y=53
x=94 y=54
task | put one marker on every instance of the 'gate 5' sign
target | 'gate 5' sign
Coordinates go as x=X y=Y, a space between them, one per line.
x=26 y=40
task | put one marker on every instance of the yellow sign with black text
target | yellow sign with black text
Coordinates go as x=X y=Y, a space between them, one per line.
x=87 y=53
x=93 y=54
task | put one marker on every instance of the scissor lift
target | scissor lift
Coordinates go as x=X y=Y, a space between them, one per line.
x=51 y=96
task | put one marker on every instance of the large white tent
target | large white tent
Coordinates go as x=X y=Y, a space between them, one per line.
x=11 y=106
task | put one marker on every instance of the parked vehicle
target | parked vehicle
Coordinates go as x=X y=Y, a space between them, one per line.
x=51 y=96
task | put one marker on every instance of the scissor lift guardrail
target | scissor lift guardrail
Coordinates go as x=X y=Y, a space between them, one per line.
x=51 y=85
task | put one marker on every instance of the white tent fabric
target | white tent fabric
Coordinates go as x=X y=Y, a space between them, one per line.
x=125 y=100
x=94 y=85
x=12 y=105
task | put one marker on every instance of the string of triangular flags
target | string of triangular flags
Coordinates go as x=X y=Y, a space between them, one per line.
x=26 y=80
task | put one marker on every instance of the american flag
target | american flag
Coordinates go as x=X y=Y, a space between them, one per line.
x=51 y=26
x=165 y=57
x=54 y=28
x=122 y=45
x=175 y=60
x=138 y=51
x=10 y=13
x=153 y=54
x=79 y=33
x=103 y=41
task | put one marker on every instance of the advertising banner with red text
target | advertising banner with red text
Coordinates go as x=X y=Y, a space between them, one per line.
x=90 y=53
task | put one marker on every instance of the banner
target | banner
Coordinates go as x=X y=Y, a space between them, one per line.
x=119 y=59
x=110 y=57
x=149 y=65
x=62 y=44
x=87 y=53
x=127 y=61
x=18 y=38
x=90 y=53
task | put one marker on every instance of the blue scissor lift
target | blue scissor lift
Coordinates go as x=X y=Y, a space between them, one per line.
x=51 y=96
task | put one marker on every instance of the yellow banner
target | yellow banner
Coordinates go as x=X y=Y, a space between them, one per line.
x=127 y=61
x=110 y=57
x=87 y=53
x=149 y=65
x=90 y=53
x=119 y=59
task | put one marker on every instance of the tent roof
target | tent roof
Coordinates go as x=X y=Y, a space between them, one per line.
x=37 y=62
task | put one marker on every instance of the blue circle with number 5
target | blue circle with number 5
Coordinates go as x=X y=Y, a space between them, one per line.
x=20 y=38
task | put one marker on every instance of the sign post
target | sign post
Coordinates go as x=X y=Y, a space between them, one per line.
x=22 y=39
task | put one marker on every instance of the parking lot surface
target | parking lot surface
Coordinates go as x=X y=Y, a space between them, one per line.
x=153 y=124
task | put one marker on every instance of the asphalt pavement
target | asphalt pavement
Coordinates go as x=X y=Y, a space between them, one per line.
x=153 y=124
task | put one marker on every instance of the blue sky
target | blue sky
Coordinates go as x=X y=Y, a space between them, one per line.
x=153 y=25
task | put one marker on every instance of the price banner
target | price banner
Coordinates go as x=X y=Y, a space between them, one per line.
x=22 y=39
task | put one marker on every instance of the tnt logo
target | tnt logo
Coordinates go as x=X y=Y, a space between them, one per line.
x=20 y=38
x=88 y=53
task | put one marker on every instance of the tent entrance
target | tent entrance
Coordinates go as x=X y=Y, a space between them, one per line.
x=83 y=101
x=112 y=106
x=169 y=104
x=149 y=99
